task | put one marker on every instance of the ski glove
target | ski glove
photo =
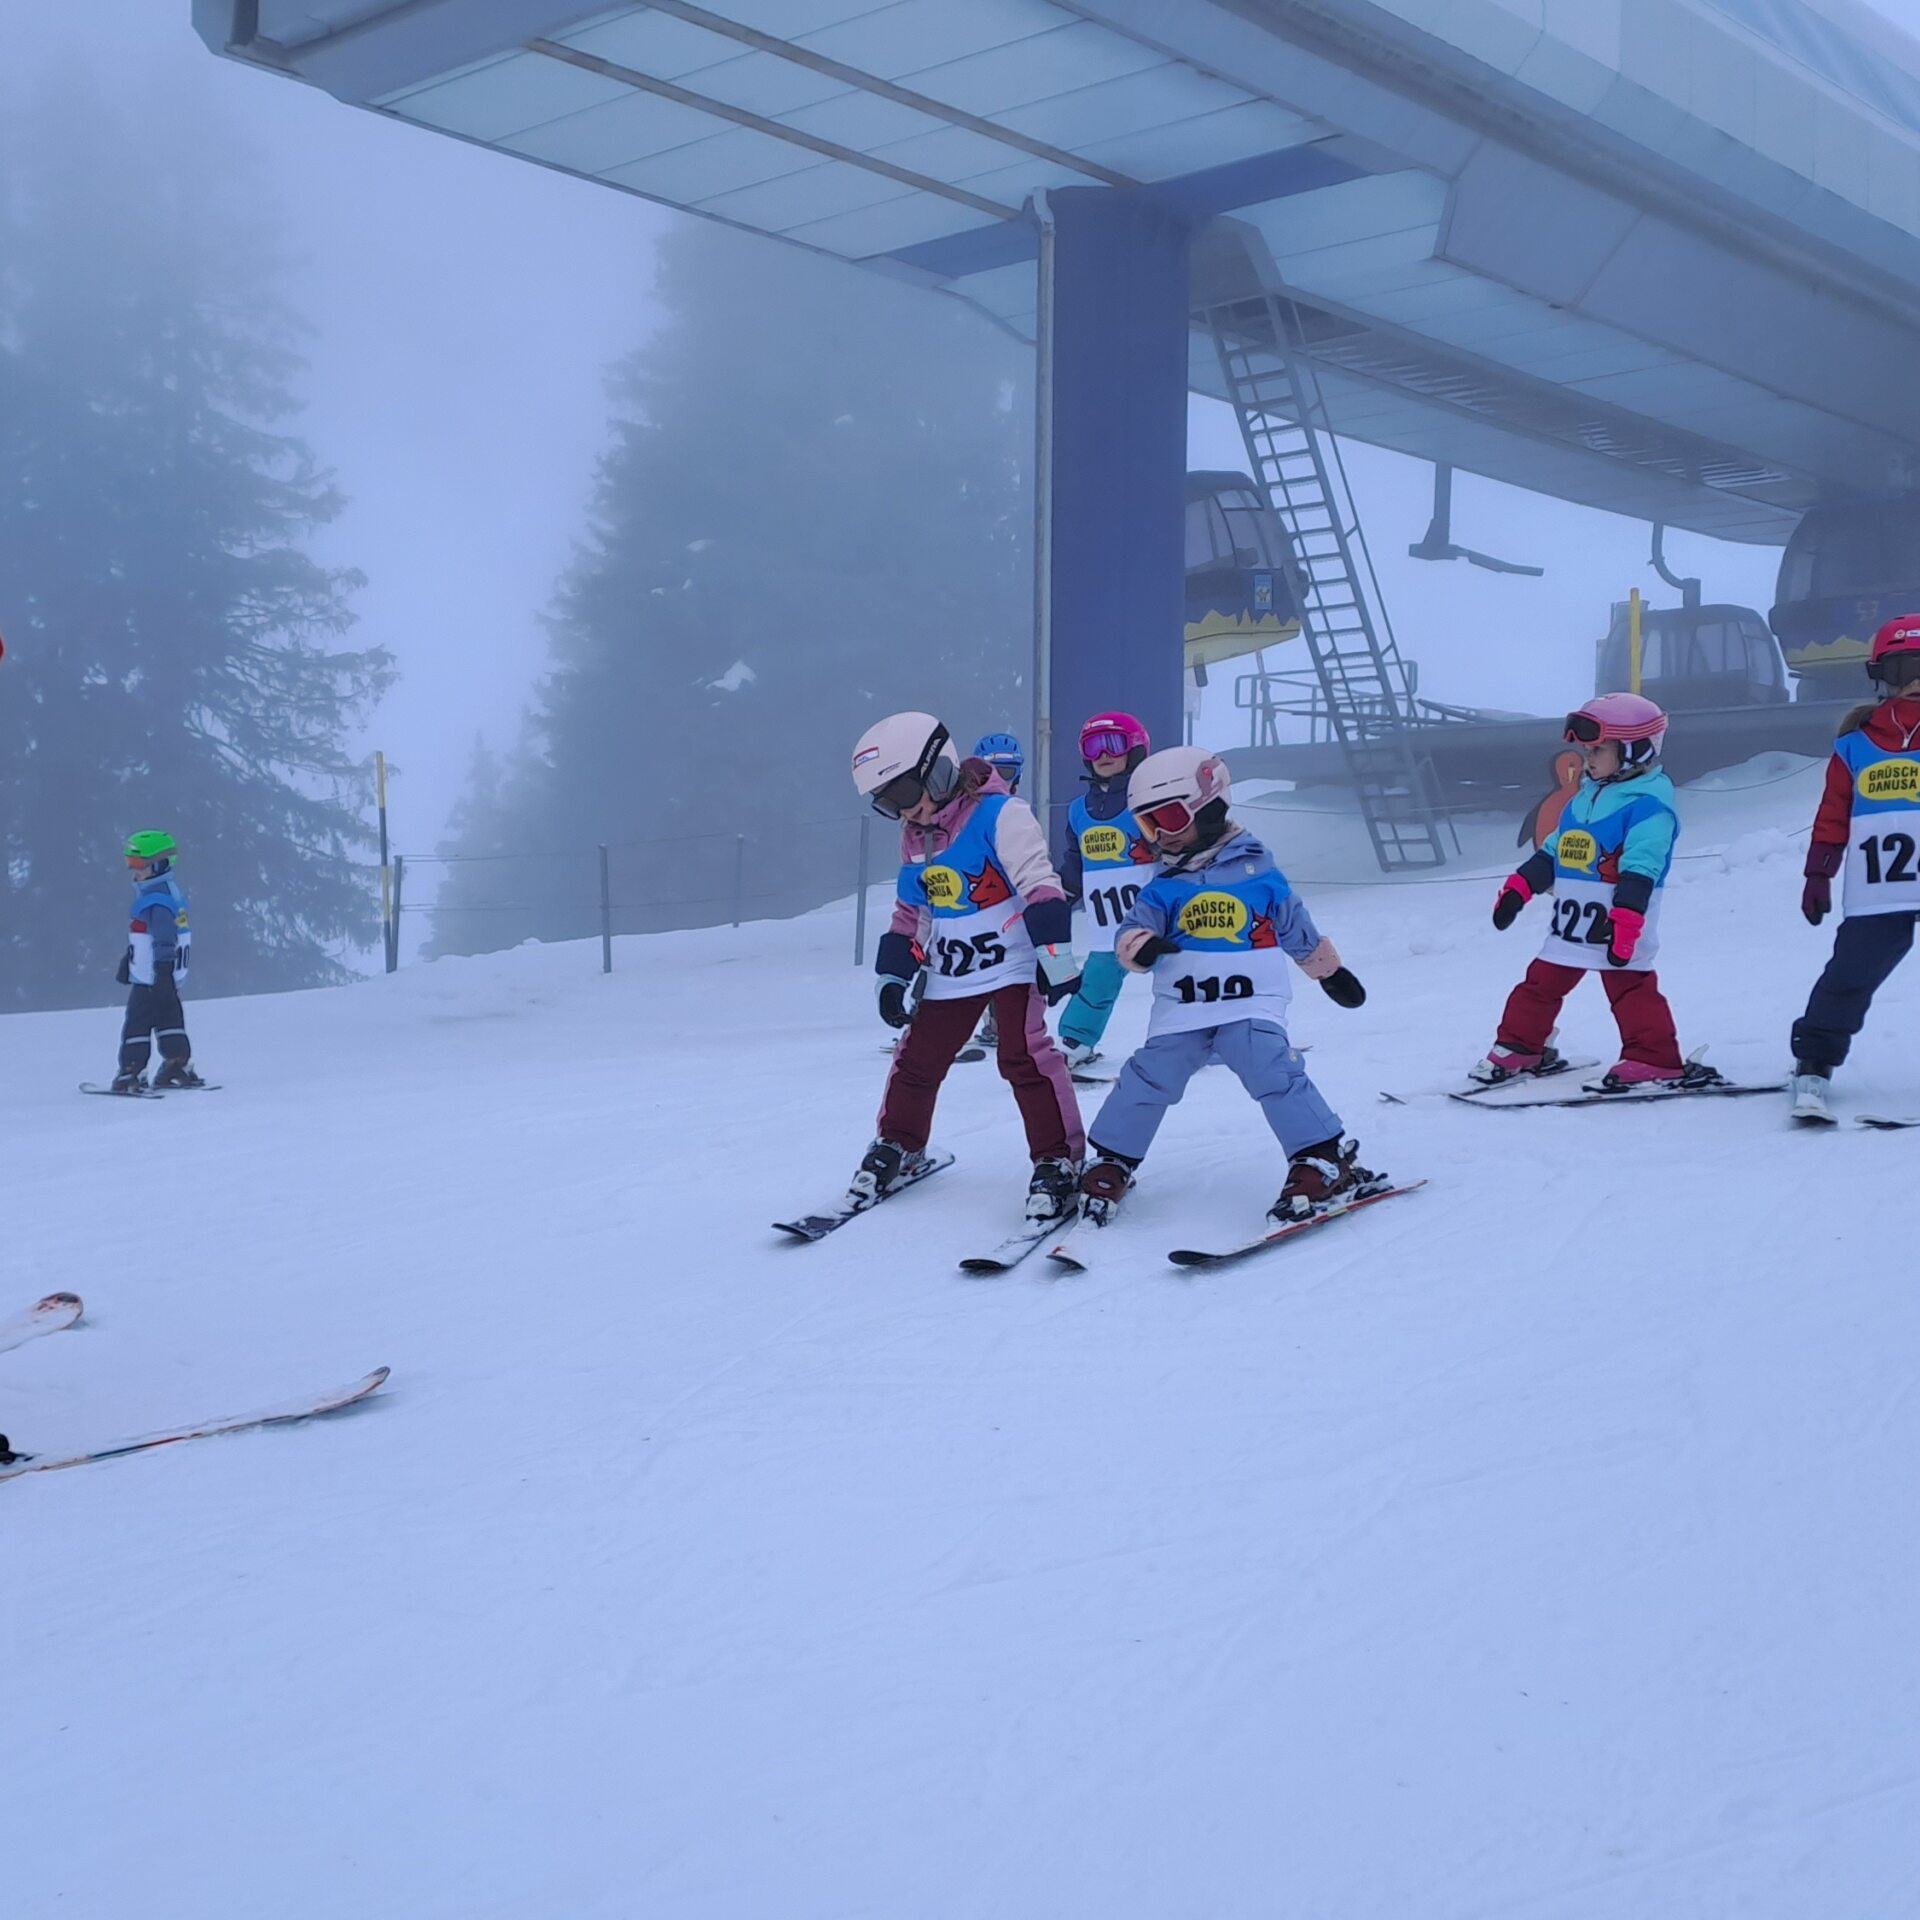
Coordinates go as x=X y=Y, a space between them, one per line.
x=1816 y=897
x=124 y=971
x=1058 y=974
x=1514 y=894
x=894 y=1009
x=1156 y=946
x=1343 y=989
x=1624 y=928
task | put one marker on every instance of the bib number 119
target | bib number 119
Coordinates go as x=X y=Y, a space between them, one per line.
x=1210 y=989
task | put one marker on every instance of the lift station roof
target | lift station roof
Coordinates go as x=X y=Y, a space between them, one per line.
x=1655 y=256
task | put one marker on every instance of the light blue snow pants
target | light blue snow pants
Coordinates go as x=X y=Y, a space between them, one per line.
x=1088 y=1012
x=1261 y=1057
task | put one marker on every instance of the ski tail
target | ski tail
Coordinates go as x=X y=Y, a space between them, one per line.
x=56 y=1311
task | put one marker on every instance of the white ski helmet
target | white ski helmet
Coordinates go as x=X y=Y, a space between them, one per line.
x=1169 y=788
x=902 y=757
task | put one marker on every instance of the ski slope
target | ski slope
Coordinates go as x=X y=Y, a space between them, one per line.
x=1539 y=1545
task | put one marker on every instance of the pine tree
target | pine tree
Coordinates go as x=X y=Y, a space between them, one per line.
x=811 y=512
x=174 y=655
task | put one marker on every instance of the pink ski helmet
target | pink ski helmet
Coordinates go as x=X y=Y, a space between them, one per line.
x=1629 y=718
x=1115 y=733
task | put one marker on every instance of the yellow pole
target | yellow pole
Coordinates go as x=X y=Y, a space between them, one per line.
x=1633 y=641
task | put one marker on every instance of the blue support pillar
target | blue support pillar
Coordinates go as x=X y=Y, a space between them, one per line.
x=1116 y=396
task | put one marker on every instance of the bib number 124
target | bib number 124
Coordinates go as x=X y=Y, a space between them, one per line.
x=1889 y=857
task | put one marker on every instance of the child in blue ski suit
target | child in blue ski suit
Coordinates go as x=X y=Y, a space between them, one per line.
x=1104 y=862
x=1218 y=927
x=153 y=967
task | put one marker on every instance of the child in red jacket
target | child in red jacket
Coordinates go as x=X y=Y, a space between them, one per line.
x=1868 y=825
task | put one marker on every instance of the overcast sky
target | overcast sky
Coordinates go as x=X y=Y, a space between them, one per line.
x=465 y=304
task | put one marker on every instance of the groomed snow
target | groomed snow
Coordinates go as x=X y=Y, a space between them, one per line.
x=1541 y=1545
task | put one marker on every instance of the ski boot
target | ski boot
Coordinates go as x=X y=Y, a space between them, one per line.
x=1809 y=1088
x=880 y=1171
x=1502 y=1064
x=7 y=1455
x=1078 y=1054
x=177 y=1073
x=1321 y=1179
x=1102 y=1187
x=987 y=1034
x=1626 y=1076
x=131 y=1082
x=1052 y=1191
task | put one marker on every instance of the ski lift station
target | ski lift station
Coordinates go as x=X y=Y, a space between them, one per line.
x=1660 y=257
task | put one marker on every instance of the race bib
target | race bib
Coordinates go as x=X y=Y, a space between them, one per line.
x=1579 y=926
x=978 y=952
x=1104 y=904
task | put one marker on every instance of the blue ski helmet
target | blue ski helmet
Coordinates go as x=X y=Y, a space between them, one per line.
x=1003 y=753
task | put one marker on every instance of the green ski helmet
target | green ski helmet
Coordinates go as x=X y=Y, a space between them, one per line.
x=151 y=846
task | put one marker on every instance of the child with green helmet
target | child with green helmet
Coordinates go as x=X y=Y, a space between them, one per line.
x=159 y=945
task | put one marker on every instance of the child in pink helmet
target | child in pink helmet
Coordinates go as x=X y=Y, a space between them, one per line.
x=1605 y=865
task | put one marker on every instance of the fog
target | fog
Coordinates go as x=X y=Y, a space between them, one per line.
x=464 y=309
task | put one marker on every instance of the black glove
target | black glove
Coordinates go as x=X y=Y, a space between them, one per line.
x=1343 y=989
x=893 y=1001
x=1506 y=909
x=1155 y=947
x=124 y=971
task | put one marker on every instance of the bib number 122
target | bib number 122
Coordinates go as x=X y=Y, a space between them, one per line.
x=1567 y=915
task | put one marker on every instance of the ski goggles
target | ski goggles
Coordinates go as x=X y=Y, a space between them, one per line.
x=1169 y=816
x=906 y=790
x=1583 y=729
x=1100 y=743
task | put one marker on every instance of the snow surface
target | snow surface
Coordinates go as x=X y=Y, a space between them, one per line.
x=1540 y=1545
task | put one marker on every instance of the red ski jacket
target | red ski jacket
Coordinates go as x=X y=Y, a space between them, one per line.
x=1893 y=724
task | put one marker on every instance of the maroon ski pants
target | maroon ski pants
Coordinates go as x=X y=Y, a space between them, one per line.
x=1640 y=1011
x=1029 y=1063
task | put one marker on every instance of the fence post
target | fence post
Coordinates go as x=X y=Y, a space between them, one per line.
x=393 y=940
x=606 y=917
x=860 y=896
x=739 y=873
x=386 y=872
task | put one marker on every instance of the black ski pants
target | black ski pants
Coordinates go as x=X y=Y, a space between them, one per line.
x=154 y=1013
x=1865 y=950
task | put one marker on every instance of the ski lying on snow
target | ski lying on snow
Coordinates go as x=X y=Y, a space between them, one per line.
x=308 y=1408
x=816 y=1226
x=57 y=1310
x=1193 y=1257
x=1074 y=1251
x=144 y=1093
x=964 y=1058
x=1887 y=1122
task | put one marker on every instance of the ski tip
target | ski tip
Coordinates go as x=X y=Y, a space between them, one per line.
x=59 y=1303
x=1392 y=1099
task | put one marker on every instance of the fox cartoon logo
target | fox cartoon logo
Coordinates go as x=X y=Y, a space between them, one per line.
x=1261 y=934
x=986 y=888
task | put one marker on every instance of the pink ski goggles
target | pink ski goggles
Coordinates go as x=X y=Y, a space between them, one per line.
x=1104 y=742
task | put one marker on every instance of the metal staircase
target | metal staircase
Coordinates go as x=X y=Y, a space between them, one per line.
x=1365 y=684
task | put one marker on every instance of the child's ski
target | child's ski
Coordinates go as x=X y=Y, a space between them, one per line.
x=1074 y=1250
x=302 y=1409
x=139 y=1093
x=966 y=1057
x=816 y=1226
x=1887 y=1122
x=1192 y=1257
x=1012 y=1250
x=1485 y=1093
x=1591 y=1095
x=57 y=1310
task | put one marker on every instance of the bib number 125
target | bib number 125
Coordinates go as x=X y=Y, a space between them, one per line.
x=960 y=957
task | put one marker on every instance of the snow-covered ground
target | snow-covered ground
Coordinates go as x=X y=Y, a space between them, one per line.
x=1542 y=1545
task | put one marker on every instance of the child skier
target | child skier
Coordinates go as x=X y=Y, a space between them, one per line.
x=1605 y=864
x=1216 y=925
x=979 y=897
x=1005 y=755
x=154 y=966
x=1868 y=824
x=1103 y=865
